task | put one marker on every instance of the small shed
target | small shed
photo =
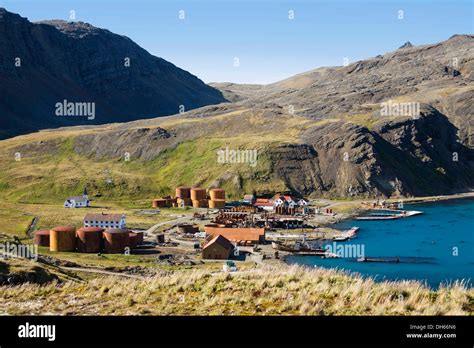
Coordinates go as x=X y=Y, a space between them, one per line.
x=218 y=248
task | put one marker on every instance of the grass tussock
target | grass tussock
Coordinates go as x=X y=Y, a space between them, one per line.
x=275 y=290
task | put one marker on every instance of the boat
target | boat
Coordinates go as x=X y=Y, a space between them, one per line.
x=395 y=214
x=366 y=259
x=340 y=238
x=350 y=233
x=329 y=255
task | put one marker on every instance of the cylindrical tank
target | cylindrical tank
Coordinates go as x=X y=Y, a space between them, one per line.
x=160 y=238
x=185 y=201
x=159 y=203
x=200 y=203
x=89 y=239
x=134 y=239
x=116 y=240
x=198 y=194
x=185 y=228
x=217 y=203
x=217 y=193
x=42 y=238
x=140 y=237
x=62 y=238
x=170 y=202
x=183 y=192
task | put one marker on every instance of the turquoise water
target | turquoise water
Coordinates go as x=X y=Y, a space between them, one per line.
x=426 y=245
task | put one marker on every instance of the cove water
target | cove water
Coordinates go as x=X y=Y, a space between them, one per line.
x=435 y=247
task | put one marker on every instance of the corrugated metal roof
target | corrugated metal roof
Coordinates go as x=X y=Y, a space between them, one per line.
x=221 y=240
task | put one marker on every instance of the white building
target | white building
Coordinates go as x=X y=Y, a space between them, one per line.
x=303 y=203
x=105 y=220
x=283 y=201
x=249 y=199
x=78 y=201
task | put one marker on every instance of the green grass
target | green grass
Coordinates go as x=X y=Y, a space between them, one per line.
x=50 y=178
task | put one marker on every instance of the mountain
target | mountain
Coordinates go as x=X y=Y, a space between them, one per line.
x=334 y=132
x=45 y=63
x=407 y=44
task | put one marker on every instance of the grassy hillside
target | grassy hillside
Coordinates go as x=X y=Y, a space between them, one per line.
x=50 y=169
x=270 y=291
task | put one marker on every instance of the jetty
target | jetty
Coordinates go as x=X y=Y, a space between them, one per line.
x=386 y=260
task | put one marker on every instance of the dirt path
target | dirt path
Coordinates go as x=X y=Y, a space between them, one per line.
x=172 y=222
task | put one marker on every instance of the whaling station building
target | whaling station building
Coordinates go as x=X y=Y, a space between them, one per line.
x=105 y=220
x=218 y=248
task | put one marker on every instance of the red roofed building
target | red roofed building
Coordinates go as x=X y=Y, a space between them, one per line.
x=264 y=203
x=218 y=248
x=239 y=235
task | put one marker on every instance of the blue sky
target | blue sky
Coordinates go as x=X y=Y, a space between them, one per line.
x=268 y=44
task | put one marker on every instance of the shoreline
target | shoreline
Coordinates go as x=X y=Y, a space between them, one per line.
x=429 y=199
x=358 y=210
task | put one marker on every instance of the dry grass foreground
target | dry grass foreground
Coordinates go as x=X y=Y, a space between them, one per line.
x=287 y=290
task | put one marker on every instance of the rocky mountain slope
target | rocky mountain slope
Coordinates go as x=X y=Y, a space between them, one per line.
x=47 y=62
x=321 y=133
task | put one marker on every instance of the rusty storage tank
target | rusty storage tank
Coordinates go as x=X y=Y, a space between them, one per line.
x=170 y=202
x=134 y=239
x=116 y=240
x=89 y=239
x=183 y=192
x=159 y=203
x=42 y=238
x=198 y=194
x=217 y=193
x=140 y=237
x=160 y=238
x=200 y=203
x=62 y=238
x=185 y=228
x=217 y=203
x=185 y=201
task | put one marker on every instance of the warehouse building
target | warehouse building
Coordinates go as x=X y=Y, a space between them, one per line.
x=239 y=235
x=218 y=248
x=105 y=220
